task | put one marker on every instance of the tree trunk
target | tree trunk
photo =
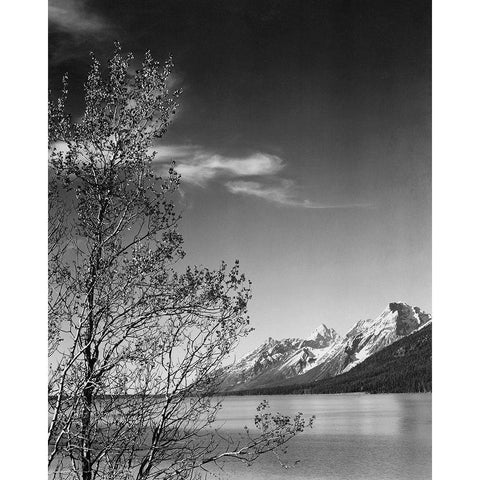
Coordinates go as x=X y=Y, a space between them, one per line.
x=90 y=360
x=86 y=433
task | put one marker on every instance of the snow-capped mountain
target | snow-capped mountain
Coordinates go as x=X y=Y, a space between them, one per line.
x=324 y=353
x=370 y=336
x=321 y=337
x=276 y=360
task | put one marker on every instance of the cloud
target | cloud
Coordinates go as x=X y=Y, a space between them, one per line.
x=282 y=193
x=174 y=152
x=201 y=170
x=72 y=16
x=199 y=167
x=279 y=193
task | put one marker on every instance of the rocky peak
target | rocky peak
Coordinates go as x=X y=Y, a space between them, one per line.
x=408 y=318
x=321 y=337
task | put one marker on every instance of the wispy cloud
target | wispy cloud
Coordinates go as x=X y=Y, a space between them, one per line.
x=198 y=166
x=283 y=193
x=73 y=16
x=254 y=175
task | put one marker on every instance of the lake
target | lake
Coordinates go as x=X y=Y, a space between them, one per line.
x=356 y=436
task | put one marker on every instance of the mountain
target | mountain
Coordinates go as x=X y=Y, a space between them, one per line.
x=370 y=336
x=324 y=353
x=403 y=366
x=277 y=360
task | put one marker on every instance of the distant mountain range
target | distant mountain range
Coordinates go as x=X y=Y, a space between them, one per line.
x=295 y=362
x=403 y=366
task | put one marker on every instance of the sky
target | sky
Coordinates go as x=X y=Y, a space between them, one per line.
x=303 y=139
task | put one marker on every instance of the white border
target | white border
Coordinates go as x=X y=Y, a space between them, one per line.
x=456 y=133
x=24 y=240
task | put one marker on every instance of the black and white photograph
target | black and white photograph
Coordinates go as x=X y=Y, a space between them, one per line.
x=239 y=240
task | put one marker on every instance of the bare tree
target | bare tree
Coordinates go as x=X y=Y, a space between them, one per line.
x=135 y=346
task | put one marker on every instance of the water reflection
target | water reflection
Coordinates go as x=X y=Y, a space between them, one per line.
x=370 y=437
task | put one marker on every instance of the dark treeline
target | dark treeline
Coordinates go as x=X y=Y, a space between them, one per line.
x=404 y=366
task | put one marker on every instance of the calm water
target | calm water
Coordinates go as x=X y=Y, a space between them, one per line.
x=371 y=437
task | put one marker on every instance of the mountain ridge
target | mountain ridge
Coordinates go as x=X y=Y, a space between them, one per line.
x=324 y=353
x=404 y=366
